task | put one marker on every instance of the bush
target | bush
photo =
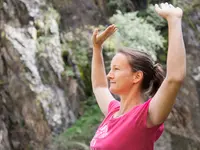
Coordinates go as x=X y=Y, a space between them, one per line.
x=151 y=17
x=136 y=33
x=81 y=133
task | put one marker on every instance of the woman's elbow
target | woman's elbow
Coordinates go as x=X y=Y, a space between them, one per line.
x=177 y=78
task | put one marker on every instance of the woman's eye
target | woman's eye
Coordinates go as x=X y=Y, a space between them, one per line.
x=116 y=68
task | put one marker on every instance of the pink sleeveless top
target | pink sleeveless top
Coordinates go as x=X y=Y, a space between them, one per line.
x=127 y=132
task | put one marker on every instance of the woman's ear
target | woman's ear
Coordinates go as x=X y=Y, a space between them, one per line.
x=137 y=76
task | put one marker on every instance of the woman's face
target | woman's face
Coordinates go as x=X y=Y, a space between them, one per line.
x=120 y=75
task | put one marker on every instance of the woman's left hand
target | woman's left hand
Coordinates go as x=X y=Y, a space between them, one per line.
x=168 y=11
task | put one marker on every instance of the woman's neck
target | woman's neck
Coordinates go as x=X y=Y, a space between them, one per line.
x=128 y=101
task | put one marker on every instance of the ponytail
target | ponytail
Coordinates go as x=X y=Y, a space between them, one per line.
x=157 y=80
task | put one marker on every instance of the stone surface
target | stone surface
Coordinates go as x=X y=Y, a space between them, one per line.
x=37 y=100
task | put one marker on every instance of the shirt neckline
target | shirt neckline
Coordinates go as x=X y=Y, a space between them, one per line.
x=117 y=109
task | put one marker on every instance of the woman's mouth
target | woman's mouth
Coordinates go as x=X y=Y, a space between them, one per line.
x=112 y=82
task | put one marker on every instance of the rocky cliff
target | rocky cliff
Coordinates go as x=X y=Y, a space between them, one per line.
x=37 y=97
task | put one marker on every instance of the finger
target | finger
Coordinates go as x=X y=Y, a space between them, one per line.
x=95 y=33
x=166 y=5
x=171 y=6
x=157 y=8
x=108 y=31
x=179 y=9
x=156 y=5
x=115 y=29
x=162 y=5
x=109 y=28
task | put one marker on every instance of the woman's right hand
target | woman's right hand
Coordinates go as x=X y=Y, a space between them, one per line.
x=98 y=40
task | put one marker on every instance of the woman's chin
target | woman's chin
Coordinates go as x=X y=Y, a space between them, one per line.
x=113 y=90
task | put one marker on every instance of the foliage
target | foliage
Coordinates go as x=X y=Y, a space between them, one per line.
x=44 y=26
x=136 y=33
x=152 y=17
x=114 y=5
x=77 y=42
x=83 y=130
x=75 y=49
x=62 y=144
x=159 y=23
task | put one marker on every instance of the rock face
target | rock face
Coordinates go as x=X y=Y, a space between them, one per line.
x=78 y=13
x=37 y=98
x=182 y=128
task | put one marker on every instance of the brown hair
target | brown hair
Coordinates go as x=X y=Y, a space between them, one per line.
x=153 y=75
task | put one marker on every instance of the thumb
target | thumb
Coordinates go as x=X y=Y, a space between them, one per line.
x=95 y=33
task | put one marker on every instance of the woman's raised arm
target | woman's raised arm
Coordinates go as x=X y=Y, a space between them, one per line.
x=163 y=101
x=99 y=80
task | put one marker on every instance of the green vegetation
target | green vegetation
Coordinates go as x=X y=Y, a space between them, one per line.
x=76 y=50
x=152 y=18
x=136 y=33
x=84 y=128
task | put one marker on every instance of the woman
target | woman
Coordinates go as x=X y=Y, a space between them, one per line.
x=133 y=123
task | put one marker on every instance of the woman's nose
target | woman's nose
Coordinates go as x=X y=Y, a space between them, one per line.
x=110 y=75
